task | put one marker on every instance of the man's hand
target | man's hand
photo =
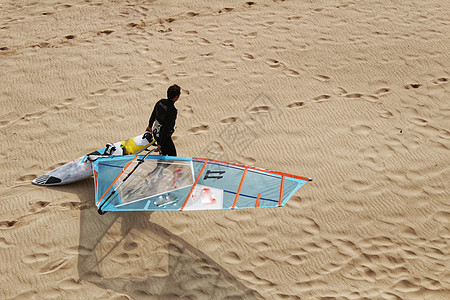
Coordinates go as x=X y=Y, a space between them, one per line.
x=158 y=148
x=148 y=135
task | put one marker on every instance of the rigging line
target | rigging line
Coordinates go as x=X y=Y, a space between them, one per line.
x=258 y=199
x=239 y=189
x=280 y=200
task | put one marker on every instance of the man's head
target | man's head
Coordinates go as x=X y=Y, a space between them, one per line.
x=173 y=92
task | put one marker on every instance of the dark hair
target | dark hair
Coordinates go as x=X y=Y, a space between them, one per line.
x=173 y=91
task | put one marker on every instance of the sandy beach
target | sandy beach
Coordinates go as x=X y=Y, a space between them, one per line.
x=354 y=94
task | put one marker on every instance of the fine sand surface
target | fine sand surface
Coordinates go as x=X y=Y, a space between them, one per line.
x=354 y=94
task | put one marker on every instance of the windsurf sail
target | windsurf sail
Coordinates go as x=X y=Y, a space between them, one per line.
x=185 y=183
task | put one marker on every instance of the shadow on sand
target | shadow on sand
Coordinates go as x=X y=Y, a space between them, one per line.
x=125 y=252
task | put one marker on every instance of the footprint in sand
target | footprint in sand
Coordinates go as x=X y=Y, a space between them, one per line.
x=229 y=64
x=147 y=86
x=157 y=72
x=155 y=64
x=322 y=78
x=130 y=246
x=100 y=92
x=250 y=276
x=231 y=258
x=78 y=250
x=62 y=106
x=228 y=120
x=295 y=260
x=248 y=56
x=7 y=224
x=226 y=9
x=382 y=91
x=188 y=111
x=69 y=284
x=208 y=74
x=63 y=6
x=354 y=96
x=181 y=74
x=413 y=86
x=191 y=14
x=291 y=73
x=32 y=116
x=72 y=205
x=212 y=27
x=260 y=109
x=159 y=75
x=38 y=205
x=247 y=160
x=229 y=44
x=67 y=101
x=63 y=263
x=4 y=122
x=296 y=104
x=361 y=129
x=105 y=32
x=419 y=121
x=214 y=148
x=321 y=98
x=251 y=35
x=203 y=41
x=439 y=81
x=276 y=48
x=281 y=29
x=274 y=64
x=199 y=129
x=207 y=54
x=125 y=78
x=179 y=60
x=268 y=23
x=35 y=257
x=294 y=18
x=385 y=114
x=89 y=105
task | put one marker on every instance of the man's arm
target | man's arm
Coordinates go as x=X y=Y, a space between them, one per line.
x=152 y=119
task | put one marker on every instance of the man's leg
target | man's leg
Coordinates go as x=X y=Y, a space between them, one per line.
x=168 y=148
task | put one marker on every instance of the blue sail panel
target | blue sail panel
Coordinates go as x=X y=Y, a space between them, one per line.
x=182 y=183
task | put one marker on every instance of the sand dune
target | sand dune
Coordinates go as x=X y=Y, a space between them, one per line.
x=351 y=93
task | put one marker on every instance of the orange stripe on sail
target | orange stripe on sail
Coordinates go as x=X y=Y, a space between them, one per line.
x=123 y=170
x=280 y=200
x=256 y=168
x=195 y=183
x=96 y=182
x=239 y=189
x=258 y=199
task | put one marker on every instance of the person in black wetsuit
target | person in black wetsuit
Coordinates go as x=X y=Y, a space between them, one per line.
x=162 y=121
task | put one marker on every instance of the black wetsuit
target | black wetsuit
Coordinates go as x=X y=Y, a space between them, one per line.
x=165 y=115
